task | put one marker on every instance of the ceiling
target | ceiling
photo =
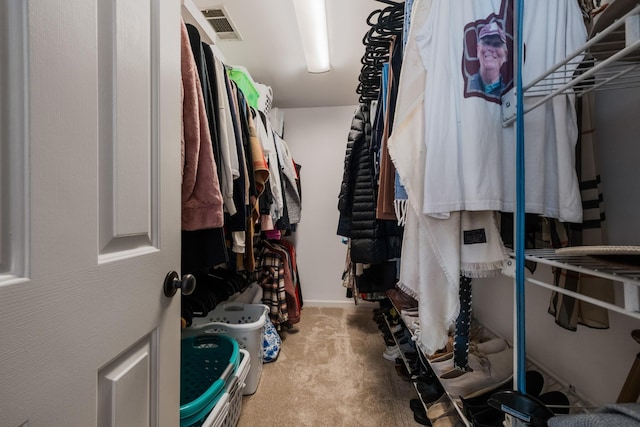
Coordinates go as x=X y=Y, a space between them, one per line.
x=270 y=49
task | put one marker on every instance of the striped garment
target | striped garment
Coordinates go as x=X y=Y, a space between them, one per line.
x=568 y=311
x=269 y=274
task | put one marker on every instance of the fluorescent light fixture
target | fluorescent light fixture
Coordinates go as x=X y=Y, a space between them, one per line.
x=312 y=22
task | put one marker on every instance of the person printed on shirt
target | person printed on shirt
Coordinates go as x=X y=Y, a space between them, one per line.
x=491 y=54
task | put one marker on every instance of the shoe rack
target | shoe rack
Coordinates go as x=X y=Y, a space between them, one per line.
x=549 y=383
x=423 y=360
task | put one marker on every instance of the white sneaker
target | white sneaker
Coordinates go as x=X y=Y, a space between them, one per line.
x=391 y=353
x=395 y=328
x=489 y=371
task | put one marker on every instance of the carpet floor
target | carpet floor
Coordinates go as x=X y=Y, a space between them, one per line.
x=330 y=372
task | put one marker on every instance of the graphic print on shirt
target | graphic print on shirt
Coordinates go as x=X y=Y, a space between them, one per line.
x=487 y=55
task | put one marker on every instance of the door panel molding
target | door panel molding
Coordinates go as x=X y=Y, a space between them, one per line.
x=127 y=389
x=14 y=142
x=127 y=122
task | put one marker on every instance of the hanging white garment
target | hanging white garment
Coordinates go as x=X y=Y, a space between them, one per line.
x=434 y=253
x=422 y=274
x=470 y=156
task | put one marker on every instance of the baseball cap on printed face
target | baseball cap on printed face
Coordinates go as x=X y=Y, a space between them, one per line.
x=492 y=29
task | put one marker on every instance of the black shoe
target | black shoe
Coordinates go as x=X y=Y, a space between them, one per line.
x=429 y=392
x=402 y=372
x=488 y=418
x=416 y=405
x=420 y=416
x=557 y=401
x=535 y=382
x=475 y=405
x=521 y=406
x=388 y=341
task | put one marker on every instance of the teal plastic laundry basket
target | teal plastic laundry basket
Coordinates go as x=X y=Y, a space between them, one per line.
x=207 y=362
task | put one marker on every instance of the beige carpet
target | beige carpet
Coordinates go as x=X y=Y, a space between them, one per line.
x=330 y=373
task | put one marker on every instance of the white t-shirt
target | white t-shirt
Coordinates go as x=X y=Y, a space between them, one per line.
x=470 y=160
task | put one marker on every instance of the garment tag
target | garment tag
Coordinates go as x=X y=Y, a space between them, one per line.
x=471 y=237
x=509 y=105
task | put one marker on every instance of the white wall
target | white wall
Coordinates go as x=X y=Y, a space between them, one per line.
x=317 y=138
x=595 y=362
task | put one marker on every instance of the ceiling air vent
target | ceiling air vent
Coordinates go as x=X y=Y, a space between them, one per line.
x=221 y=23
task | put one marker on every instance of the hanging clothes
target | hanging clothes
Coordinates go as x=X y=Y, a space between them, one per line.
x=274 y=274
x=202 y=243
x=227 y=148
x=236 y=223
x=290 y=181
x=434 y=252
x=469 y=165
x=201 y=197
x=568 y=311
x=229 y=155
x=386 y=190
x=372 y=241
x=275 y=203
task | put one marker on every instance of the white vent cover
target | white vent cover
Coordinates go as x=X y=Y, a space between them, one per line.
x=221 y=24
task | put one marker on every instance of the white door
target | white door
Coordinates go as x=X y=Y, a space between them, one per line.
x=90 y=133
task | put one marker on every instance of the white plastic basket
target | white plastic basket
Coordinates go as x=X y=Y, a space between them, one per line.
x=235 y=396
x=219 y=413
x=227 y=411
x=243 y=322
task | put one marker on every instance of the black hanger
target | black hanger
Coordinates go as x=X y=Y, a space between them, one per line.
x=385 y=24
x=369 y=23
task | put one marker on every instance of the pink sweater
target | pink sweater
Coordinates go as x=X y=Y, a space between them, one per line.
x=201 y=197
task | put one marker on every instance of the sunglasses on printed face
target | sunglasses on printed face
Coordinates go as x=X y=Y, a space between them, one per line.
x=492 y=41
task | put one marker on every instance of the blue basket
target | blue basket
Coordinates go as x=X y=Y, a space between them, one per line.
x=207 y=361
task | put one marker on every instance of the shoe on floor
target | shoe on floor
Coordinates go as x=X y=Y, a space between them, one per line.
x=491 y=346
x=401 y=299
x=402 y=372
x=489 y=371
x=443 y=366
x=420 y=416
x=523 y=407
x=557 y=401
x=388 y=341
x=451 y=420
x=478 y=404
x=416 y=404
x=440 y=408
x=490 y=417
x=395 y=328
x=429 y=392
x=391 y=353
x=447 y=349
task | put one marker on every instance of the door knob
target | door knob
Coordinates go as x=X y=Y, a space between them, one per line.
x=172 y=283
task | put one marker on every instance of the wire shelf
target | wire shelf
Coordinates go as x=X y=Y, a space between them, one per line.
x=592 y=265
x=617 y=269
x=607 y=61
